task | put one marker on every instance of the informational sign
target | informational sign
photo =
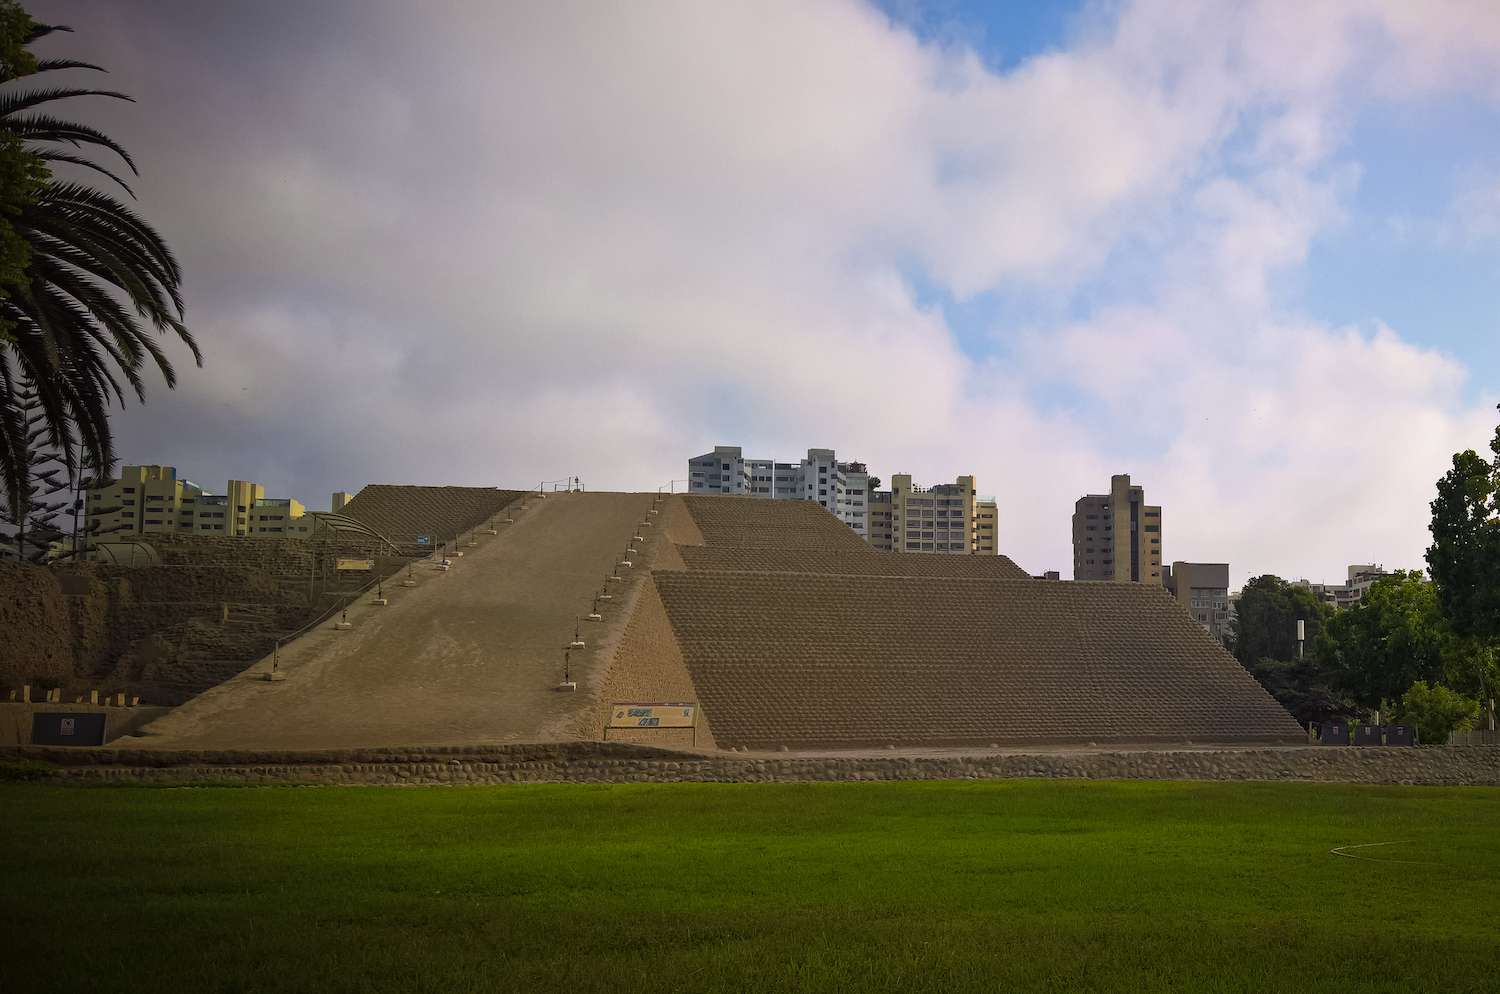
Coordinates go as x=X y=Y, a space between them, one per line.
x=424 y=539
x=652 y=715
x=57 y=728
x=356 y=565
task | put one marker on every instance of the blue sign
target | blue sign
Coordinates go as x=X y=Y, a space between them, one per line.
x=424 y=540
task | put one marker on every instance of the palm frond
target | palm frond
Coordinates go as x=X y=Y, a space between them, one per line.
x=14 y=103
x=53 y=155
x=51 y=65
x=46 y=128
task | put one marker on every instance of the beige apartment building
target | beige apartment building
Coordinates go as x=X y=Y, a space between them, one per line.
x=147 y=500
x=1203 y=589
x=1117 y=536
x=948 y=519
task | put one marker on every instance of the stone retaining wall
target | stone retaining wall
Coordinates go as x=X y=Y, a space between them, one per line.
x=592 y=762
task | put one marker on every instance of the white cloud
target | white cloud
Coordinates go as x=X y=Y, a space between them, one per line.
x=498 y=245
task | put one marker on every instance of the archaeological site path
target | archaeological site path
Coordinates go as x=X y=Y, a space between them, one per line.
x=468 y=656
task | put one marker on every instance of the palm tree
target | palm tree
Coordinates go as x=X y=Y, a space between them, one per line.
x=98 y=287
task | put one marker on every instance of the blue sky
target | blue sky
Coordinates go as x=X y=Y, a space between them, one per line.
x=1396 y=258
x=1244 y=251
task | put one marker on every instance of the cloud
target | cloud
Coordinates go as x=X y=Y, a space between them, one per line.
x=494 y=244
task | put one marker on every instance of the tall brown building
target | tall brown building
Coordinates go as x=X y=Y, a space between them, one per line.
x=1117 y=536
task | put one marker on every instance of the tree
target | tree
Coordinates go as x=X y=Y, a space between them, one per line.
x=1266 y=617
x=1263 y=638
x=98 y=286
x=1464 y=557
x=1464 y=560
x=21 y=171
x=1435 y=711
x=1394 y=636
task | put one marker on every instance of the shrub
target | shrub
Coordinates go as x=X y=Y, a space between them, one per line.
x=1435 y=711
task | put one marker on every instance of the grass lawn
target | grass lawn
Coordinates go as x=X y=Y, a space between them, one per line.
x=955 y=886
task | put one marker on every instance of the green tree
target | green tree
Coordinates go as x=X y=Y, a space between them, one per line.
x=1264 y=639
x=1464 y=557
x=1435 y=711
x=1464 y=560
x=99 y=285
x=1394 y=636
x=1266 y=619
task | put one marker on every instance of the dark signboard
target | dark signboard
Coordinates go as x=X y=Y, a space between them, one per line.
x=1334 y=732
x=59 y=728
x=1367 y=735
x=1400 y=735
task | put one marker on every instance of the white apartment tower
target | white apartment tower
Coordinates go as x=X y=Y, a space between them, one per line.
x=841 y=487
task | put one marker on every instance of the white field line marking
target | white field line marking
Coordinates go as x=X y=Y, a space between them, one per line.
x=1344 y=852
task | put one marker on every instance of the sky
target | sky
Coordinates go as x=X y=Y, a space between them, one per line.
x=1248 y=253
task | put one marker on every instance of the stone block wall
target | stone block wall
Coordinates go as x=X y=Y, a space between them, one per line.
x=594 y=762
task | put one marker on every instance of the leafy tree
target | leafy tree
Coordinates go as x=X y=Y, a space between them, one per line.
x=1263 y=638
x=1305 y=687
x=1435 y=711
x=1266 y=619
x=1394 y=636
x=98 y=285
x=1464 y=557
x=1464 y=560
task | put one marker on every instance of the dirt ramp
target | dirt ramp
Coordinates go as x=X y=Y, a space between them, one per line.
x=466 y=656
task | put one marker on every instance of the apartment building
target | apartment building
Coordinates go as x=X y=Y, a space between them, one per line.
x=1203 y=588
x=841 y=487
x=1359 y=577
x=1117 y=536
x=146 y=500
x=948 y=518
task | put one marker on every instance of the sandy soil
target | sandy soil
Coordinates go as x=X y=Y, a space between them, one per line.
x=470 y=656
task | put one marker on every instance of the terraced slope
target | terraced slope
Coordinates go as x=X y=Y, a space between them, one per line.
x=401 y=513
x=819 y=661
x=866 y=562
x=755 y=523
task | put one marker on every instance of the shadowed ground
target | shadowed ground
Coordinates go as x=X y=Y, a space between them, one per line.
x=468 y=656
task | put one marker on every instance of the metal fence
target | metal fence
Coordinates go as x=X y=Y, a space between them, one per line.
x=1475 y=737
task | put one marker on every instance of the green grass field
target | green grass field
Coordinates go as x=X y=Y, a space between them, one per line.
x=958 y=886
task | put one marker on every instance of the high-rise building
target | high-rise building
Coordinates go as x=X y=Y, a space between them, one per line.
x=947 y=518
x=1117 y=536
x=147 y=500
x=339 y=499
x=841 y=487
x=1203 y=588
